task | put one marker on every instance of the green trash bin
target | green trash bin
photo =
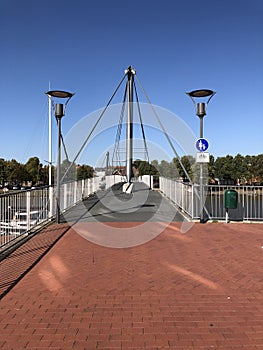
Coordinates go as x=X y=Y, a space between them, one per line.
x=231 y=198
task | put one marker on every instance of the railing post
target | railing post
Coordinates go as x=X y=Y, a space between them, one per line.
x=192 y=201
x=88 y=187
x=75 y=192
x=82 y=188
x=28 y=200
x=182 y=195
x=92 y=185
x=65 y=195
x=51 y=193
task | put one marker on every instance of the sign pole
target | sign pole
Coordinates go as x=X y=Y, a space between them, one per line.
x=201 y=112
x=202 y=157
x=201 y=194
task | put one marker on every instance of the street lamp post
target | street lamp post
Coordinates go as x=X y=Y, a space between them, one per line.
x=59 y=109
x=201 y=112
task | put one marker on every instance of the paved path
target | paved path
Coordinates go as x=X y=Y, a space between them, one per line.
x=201 y=289
x=114 y=205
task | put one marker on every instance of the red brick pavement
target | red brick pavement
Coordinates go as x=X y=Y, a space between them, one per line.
x=198 y=290
x=17 y=264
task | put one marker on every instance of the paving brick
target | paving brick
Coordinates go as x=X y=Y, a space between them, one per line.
x=198 y=290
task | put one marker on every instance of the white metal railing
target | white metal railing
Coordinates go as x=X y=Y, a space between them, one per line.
x=147 y=179
x=183 y=195
x=250 y=202
x=186 y=197
x=21 y=211
x=113 y=179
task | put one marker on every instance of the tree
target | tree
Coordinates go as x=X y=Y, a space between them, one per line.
x=155 y=163
x=15 y=172
x=33 y=168
x=44 y=175
x=2 y=172
x=211 y=167
x=188 y=165
x=225 y=168
x=258 y=167
x=168 y=170
x=145 y=168
x=238 y=163
x=84 y=172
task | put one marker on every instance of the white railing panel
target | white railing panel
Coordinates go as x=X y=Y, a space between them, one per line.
x=186 y=197
x=23 y=210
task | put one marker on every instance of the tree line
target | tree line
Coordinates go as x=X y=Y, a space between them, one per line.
x=225 y=170
x=229 y=169
x=33 y=172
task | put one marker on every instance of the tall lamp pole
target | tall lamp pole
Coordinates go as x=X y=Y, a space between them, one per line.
x=201 y=112
x=59 y=109
x=130 y=71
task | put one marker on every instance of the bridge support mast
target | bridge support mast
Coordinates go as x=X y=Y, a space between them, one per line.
x=129 y=126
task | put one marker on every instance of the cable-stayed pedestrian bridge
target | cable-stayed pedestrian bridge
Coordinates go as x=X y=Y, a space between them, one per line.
x=127 y=197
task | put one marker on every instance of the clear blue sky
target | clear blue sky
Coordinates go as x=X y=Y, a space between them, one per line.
x=84 y=46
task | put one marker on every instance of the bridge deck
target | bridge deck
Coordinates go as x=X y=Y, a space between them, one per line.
x=200 y=289
x=114 y=205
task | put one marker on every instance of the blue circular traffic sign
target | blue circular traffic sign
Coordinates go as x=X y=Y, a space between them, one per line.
x=202 y=145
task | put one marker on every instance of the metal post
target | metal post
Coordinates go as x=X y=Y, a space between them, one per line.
x=201 y=127
x=28 y=205
x=201 y=175
x=50 y=157
x=58 y=172
x=129 y=131
x=59 y=113
x=201 y=112
x=227 y=216
x=107 y=163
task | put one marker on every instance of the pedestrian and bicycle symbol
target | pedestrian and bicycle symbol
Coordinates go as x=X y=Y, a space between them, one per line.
x=202 y=145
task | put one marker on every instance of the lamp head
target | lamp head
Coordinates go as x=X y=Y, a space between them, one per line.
x=201 y=93
x=59 y=108
x=201 y=106
x=59 y=94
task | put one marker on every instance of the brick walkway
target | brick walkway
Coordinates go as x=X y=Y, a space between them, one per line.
x=198 y=290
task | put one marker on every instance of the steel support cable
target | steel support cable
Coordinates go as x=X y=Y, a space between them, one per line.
x=94 y=127
x=118 y=154
x=64 y=146
x=118 y=134
x=164 y=131
x=142 y=127
x=170 y=142
x=115 y=153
